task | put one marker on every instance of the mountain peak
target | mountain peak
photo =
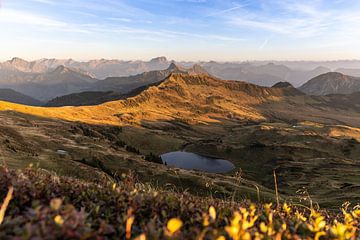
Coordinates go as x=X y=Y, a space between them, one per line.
x=283 y=85
x=330 y=76
x=198 y=69
x=333 y=74
x=288 y=89
x=159 y=60
x=173 y=66
x=331 y=83
x=18 y=62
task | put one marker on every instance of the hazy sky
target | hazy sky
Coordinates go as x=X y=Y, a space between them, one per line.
x=180 y=29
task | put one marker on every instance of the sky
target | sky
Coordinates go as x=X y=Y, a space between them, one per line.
x=193 y=30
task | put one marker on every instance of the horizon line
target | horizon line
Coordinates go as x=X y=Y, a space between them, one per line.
x=3 y=60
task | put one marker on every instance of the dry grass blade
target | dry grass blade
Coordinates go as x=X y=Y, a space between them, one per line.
x=276 y=190
x=5 y=204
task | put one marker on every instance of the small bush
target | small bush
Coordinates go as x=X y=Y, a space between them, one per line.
x=132 y=149
x=153 y=158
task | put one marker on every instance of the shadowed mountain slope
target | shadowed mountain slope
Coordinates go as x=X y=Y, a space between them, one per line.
x=10 y=95
x=84 y=99
x=290 y=88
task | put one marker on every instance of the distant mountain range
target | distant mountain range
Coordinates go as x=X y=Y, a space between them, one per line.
x=265 y=73
x=39 y=80
x=99 y=69
x=349 y=71
x=331 y=83
x=47 y=85
x=50 y=79
x=126 y=84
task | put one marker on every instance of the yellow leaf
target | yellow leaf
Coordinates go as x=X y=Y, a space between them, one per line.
x=141 y=237
x=356 y=213
x=286 y=209
x=206 y=220
x=246 y=236
x=232 y=230
x=174 y=225
x=114 y=186
x=212 y=213
x=221 y=238
x=299 y=216
x=319 y=234
x=129 y=223
x=268 y=206
x=55 y=204
x=59 y=220
x=263 y=227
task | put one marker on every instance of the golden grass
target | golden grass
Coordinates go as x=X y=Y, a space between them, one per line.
x=344 y=131
x=180 y=96
x=155 y=213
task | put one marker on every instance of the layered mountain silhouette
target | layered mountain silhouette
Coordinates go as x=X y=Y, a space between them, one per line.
x=60 y=81
x=115 y=88
x=10 y=95
x=331 y=83
x=84 y=99
x=125 y=84
x=349 y=71
x=263 y=75
x=39 y=80
x=95 y=68
x=46 y=79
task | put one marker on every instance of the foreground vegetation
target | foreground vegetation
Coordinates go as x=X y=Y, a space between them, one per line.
x=40 y=204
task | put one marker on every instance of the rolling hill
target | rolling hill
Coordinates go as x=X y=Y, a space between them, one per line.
x=84 y=99
x=331 y=83
x=10 y=95
x=197 y=98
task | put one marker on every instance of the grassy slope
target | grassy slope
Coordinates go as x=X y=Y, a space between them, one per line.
x=191 y=98
x=28 y=140
x=180 y=112
x=45 y=203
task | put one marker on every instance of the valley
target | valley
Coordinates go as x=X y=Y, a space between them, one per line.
x=257 y=129
x=179 y=120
